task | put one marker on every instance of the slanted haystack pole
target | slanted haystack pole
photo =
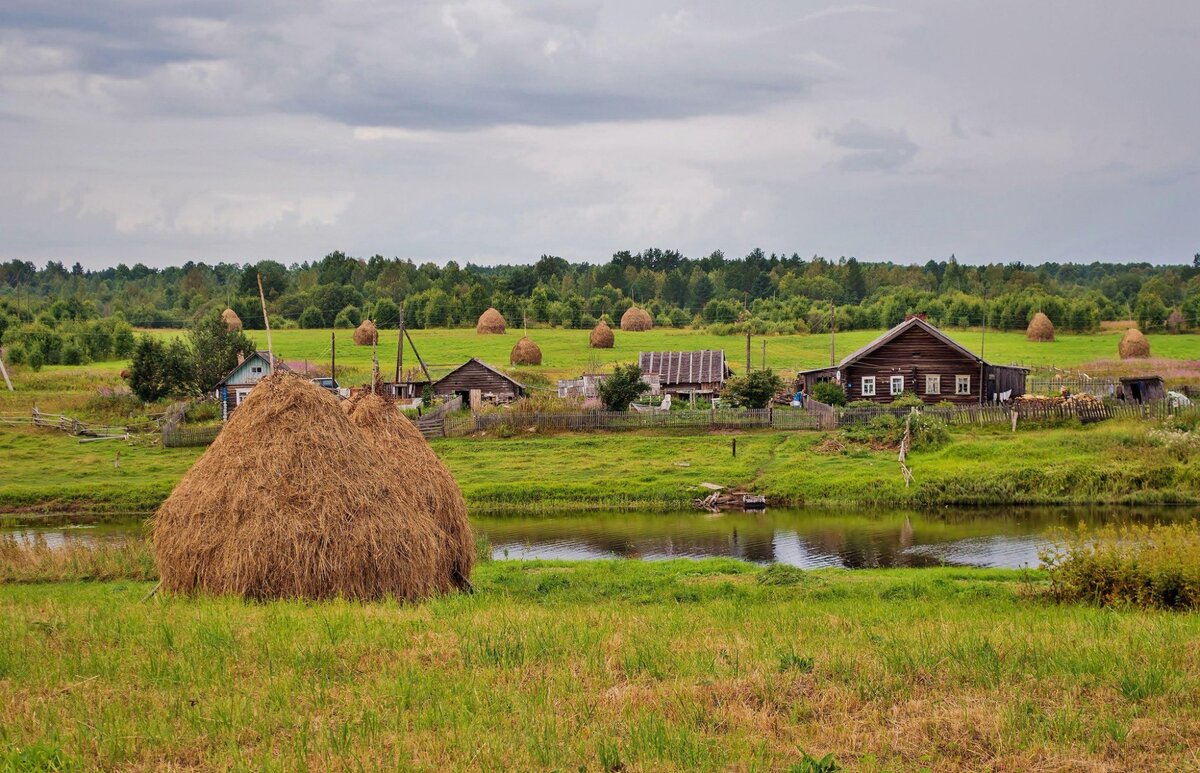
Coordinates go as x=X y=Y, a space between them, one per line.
x=266 y=323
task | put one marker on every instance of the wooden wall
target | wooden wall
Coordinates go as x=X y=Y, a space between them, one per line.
x=473 y=375
x=913 y=354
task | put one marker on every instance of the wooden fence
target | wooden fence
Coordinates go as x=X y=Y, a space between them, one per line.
x=433 y=424
x=67 y=424
x=175 y=436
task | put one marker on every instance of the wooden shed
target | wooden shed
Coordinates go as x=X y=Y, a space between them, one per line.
x=916 y=357
x=685 y=374
x=492 y=385
x=1143 y=389
x=232 y=389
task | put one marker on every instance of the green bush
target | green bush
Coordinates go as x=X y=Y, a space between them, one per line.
x=311 y=319
x=887 y=430
x=1138 y=565
x=908 y=400
x=829 y=393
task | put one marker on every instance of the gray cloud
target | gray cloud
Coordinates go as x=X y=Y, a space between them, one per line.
x=878 y=150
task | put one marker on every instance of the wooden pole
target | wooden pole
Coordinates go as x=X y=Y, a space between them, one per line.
x=5 y=372
x=832 y=332
x=400 y=348
x=421 y=361
x=267 y=323
x=764 y=354
x=333 y=355
x=748 y=363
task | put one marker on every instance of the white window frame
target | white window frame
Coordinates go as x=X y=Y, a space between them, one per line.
x=256 y=369
x=962 y=385
x=239 y=395
x=893 y=381
x=934 y=381
x=868 y=386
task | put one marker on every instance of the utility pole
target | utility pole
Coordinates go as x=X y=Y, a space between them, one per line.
x=748 y=363
x=400 y=349
x=333 y=355
x=764 y=354
x=982 y=337
x=832 y=332
x=266 y=323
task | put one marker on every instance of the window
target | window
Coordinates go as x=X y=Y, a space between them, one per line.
x=897 y=384
x=933 y=385
x=962 y=385
x=256 y=369
x=240 y=395
x=868 y=386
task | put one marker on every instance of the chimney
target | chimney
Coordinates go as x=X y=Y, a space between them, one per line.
x=922 y=316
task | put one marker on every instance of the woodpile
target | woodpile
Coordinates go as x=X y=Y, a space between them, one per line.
x=1079 y=399
x=721 y=500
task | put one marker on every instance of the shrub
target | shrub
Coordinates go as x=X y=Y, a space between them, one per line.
x=1145 y=566
x=908 y=400
x=348 y=317
x=622 y=387
x=782 y=574
x=754 y=390
x=311 y=319
x=829 y=393
x=35 y=360
x=119 y=403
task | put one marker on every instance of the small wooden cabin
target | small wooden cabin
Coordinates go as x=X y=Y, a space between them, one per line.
x=492 y=385
x=232 y=389
x=916 y=357
x=1143 y=389
x=685 y=374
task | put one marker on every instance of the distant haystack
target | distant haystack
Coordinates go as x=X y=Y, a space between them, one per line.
x=366 y=333
x=601 y=336
x=411 y=457
x=1040 y=328
x=1175 y=321
x=636 y=320
x=526 y=352
x=491 y=322
x=293 y=501
x=1133 y=345
x=231 y=319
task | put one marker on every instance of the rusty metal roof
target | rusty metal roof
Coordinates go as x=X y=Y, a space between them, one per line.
x=702 y=367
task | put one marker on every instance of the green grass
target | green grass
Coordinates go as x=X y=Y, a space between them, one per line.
x=1111 y=462
x=608 y=665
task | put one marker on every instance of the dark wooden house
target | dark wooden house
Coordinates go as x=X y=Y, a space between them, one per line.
x=1143 y=389
x=232 y=390
x=916 y=357
x=492 y=385
x=685 y=374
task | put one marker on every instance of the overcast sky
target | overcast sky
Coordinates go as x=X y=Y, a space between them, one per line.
x=498 y=130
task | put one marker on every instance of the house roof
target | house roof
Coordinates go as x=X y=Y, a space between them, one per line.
x=499 y=373
x=279 y=365
x=704 y=366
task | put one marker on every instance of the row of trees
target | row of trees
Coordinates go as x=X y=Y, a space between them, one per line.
x=188 y=366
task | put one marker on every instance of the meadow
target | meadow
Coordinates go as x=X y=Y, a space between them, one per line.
x=680 y=665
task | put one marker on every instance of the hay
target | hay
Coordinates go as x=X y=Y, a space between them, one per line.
x=1133 y=345
x=636 y=320
x=526 y=352
x=293 y=501
x=601 y=336
x=410 y=456
x=1040 y=328
x=231 y=319
x=491 y=321
x=1175 y=321
x=366 y=333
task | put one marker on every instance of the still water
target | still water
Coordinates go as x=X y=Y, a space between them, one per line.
x=801 y=537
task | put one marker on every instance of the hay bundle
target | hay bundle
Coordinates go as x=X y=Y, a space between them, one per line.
x=231 y=319
x=601 y=336
x=293 y=501
x=1133 y=345
x=410 y=456
x=1175 y=321
x=526 y=352
x=366 y=333
x=491 y=321
x=636 y=320
x=1040 y=328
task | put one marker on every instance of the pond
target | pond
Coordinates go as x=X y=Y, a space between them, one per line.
x=806 y=538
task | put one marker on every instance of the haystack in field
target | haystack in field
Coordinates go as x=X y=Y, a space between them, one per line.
x=1175 y=321
x=1040 y=328
x=1133 y=345
x=231 y=319
x=366 y=333
x=293 y=501
x=601 y=336
x=410 y=456
x=491 y=321
x=525 y=352
x=636 y=320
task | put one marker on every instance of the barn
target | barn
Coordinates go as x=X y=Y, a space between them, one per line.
x=918 y=358
x=233 y=389
x=474 y=375
x=685 y=374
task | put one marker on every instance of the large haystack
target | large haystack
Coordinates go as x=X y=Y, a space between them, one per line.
x=526 y=352
x=1175 y=321
x=491 y=321
x=293 y=501
x=366 y=333
x=410 y=456
x=231 y=319
x=601 y=336
x=636 y=320
x=1133 y=345
x=1040 y=328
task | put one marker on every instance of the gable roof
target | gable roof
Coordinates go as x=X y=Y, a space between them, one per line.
x=478 y=361
x=279 y=365
x=704 y=366
x=902 y=327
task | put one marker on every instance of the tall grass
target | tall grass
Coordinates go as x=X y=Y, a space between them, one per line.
x=36 y=561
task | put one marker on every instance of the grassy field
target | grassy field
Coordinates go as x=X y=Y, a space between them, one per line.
x=682 y=665
x=1112 y=462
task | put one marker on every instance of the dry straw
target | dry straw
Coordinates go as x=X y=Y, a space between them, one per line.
x=636 y=320
x=1133 y=345
x=410 y=456
x=231 y=319
x=1040 y=328
x=526 y=352
x=601 y=336
x=491 y=321
x=293 y=501
x=1175 y=321
x=366 y=333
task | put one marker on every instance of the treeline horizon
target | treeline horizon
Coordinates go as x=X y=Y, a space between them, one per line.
x=758 y=293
